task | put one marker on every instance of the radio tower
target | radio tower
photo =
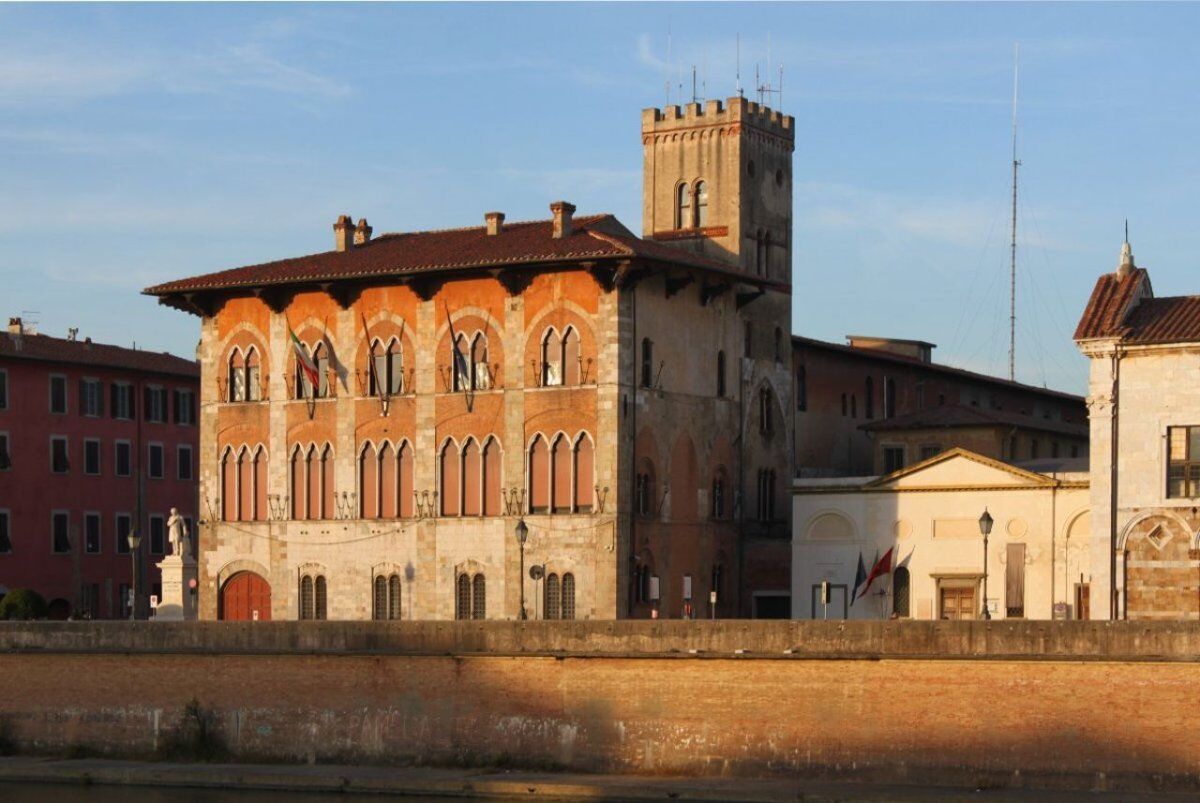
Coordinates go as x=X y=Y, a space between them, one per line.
x=1012 y=286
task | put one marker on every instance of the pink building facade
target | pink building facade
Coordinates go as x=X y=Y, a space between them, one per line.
x=95 y=441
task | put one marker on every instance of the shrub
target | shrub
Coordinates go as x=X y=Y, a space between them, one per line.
x=22 y=603
x=196 y=737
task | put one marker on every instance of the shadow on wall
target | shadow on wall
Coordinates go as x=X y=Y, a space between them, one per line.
x=990 y=721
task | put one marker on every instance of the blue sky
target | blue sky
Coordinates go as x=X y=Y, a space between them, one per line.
x=141 y=143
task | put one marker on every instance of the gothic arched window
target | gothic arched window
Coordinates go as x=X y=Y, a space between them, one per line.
x=701 y=218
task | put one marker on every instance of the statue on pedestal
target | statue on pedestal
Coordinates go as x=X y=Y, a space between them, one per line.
x=177 y=534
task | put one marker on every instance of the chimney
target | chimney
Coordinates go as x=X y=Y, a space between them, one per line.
x=343 y=233
x=15 y=326
x=562 y=219
x=495 y=222
x=362 y=234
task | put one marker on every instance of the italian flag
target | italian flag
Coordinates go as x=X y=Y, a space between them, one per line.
x=305 y=361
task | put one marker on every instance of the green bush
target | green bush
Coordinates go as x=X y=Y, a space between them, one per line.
x=22 y=603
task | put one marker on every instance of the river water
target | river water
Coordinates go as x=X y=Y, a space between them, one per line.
x=57 y=793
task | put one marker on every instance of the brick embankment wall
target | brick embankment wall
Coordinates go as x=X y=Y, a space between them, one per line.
x=1077 y=703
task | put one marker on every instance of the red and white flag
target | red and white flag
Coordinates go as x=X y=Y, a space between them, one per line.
x=882 y=566
x=305 y=361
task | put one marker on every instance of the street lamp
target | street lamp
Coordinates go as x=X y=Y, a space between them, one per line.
x=134 y=540
x=985 y=527
x=522 y=537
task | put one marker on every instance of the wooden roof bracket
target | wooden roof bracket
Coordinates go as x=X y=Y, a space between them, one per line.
x=711 y=290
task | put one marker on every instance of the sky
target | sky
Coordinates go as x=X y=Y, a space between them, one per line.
x=141 y=143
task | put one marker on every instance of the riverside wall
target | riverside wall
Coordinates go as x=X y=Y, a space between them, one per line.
x=1082 y=704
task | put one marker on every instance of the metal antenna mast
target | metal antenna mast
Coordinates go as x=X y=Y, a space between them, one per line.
x=1012 y=287
x=738 y=68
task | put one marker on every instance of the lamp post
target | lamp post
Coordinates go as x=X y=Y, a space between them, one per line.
x=985 y=527
x=134 y=539
x=522 y=537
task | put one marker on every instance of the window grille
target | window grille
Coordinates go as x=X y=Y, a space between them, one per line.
x=900 y=592
x=320 y=597
x=306 y=597
x=550 y=608
x=380 y=598
x=568 y=596
x=394 y=597
x=479 y=597
x=462 y=599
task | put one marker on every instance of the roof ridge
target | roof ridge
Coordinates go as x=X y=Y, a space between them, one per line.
x=585 y=219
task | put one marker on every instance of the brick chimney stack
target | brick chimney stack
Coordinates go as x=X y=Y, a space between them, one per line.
x=562 y=218
x=343 y=233
x=16 y=326
x=362 y=233
x=495 y=222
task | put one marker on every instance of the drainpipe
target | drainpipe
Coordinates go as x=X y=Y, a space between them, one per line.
x=1112 y=502
x=632 y=507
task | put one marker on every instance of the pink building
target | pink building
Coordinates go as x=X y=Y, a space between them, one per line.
x=95 y=440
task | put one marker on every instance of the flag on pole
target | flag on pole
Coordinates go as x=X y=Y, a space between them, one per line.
x=882 y=566
x=860 y=577
x=304 y=361
x=461 y=371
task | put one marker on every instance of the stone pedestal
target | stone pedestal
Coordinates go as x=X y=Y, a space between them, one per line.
x=178 y=601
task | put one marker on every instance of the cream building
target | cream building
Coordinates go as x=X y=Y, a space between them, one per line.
x=1038 y=563
x=1144 y=405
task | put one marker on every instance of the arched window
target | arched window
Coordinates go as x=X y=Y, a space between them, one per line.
x=328 y=494
x=683 y=206
x=869 y=397
x=462 y=597
x=539 y=476
x=260 y=484
x=245 y=470
x=550 y=606
x=481 y=373
x=720 y=374
x=900 y=592
x=312 y=466
x=551 y=359
x=307 y=607
x=394 y=597
x=479 y=597
x=321 y=359
x=320 y=597
x=387 y=368
x=459 y=368
x=766 y=494
x=701 y=204
x=644 y=500
x=380 y=599
x=253 y=374
x=568 y=596
x=237 y=376
x=404 y=456
x=491 y=478
x=647 y=363
x=720 y=486
x=560 y=458
x=571 y=367
x=766 y=411
x=472 y=479
x=450 y=490
x=801 y=388
x=303 y=389
x=228 y=485
x=368 y=482
x=299 y=483
x=388 y=484
x=585 y=472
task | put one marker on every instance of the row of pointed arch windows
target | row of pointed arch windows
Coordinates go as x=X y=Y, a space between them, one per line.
x=470 y=478
x=470 y=598
x=469 y=367
x=385 y=480
x=691 y=205
x=386 y=597
x=386 y=368
x=561 y=474
x=646 y=504
x=244 y=375
x=313 y=597
x=312 y=482
x=559 y=597
x=244 y=483
x=561 y=363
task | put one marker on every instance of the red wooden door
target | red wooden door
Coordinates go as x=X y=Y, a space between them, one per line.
x=245 y=597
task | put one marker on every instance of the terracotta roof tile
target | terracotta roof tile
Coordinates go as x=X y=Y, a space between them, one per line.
x=592 y=237
x=1164 y=320
x=1109 y=303
x=100 y=355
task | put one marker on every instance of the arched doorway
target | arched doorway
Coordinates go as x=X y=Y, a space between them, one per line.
x=245 y=597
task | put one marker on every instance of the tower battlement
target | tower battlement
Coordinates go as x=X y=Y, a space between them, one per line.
x=736 y=110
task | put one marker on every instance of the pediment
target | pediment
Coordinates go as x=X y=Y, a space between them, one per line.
x=960 y=468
